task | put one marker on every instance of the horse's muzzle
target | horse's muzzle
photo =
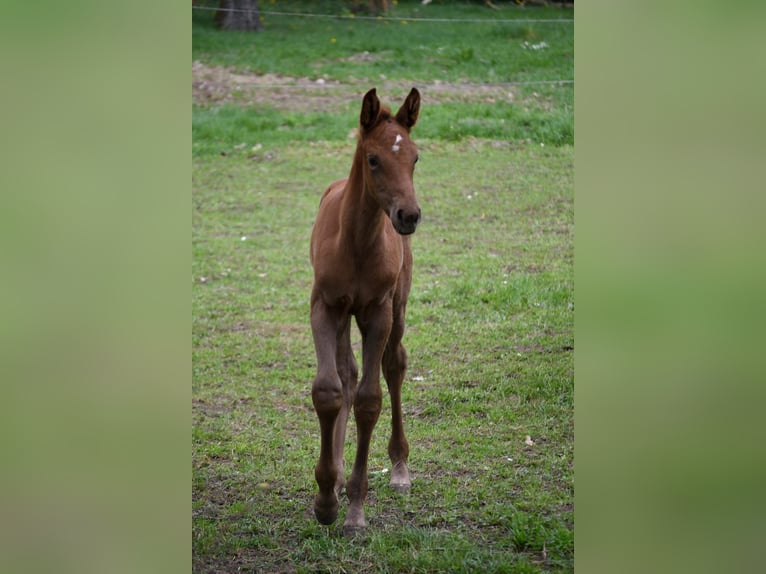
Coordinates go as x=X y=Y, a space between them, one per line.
x=405 y=220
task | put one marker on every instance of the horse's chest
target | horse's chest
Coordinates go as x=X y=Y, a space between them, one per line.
x=376 y=283
x=359 y=281
x=371 y=280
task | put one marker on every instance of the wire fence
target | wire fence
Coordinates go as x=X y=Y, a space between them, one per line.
x=394 y=18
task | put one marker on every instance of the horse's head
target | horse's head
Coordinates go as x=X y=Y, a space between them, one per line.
x=388 y=158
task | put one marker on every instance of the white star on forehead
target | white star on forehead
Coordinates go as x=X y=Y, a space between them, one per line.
x=395 y=147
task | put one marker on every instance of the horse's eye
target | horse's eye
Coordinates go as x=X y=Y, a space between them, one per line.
x=373 y=161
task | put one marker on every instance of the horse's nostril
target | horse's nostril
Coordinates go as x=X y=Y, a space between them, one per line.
x=406 y=219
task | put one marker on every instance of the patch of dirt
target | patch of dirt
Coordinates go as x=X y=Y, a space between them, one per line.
x=209 y=409
x=366 y=57
x=212 y=85
x=215 y=85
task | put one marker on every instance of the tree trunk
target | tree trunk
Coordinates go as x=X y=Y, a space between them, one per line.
x=246 y=16
x=380 y=5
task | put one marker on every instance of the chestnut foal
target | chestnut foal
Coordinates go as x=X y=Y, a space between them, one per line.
x=360 y=251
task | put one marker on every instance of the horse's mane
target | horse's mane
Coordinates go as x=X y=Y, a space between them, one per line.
x=383 y=115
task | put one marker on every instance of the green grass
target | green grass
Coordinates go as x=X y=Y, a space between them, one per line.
x=220 y=129
x=489 y=331
x=398 y=48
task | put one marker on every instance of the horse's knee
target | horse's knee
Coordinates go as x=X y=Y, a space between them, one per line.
x=327 y=395
x=367 y=405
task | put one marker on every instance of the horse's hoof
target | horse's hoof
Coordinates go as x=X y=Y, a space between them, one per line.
x=400 y=478
x=326 y=517
x=326 y=513
x=355 y=524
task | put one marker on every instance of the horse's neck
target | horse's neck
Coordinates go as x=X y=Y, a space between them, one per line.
x=363 y=218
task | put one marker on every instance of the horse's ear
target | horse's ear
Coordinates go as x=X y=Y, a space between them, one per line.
x=408 y=113
x=370 y=109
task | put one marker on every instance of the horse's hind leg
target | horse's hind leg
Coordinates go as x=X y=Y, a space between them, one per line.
x=394 y=367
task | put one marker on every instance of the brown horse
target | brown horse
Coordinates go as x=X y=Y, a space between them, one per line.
x=360 y=250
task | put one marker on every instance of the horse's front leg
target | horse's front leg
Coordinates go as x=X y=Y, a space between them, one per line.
x=375 y=326
x=327 y=396
x=348 y=373
x=394 y=368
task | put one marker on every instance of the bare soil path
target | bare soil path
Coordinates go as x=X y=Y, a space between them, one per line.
x=215 y=85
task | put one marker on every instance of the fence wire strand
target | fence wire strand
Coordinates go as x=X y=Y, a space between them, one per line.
x=394 y=19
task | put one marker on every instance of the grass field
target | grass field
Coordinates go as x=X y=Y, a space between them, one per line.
x=491 y=313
